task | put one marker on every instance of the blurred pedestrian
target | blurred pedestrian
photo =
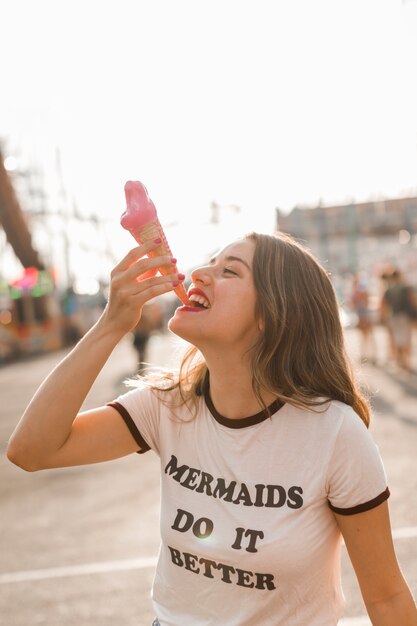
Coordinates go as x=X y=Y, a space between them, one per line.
x=266 y=459
x=359 y=301
x=398 y=303
x=151 y=320
x=71 y=317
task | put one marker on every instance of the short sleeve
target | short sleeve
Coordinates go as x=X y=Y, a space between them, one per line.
x=356 y=479
x=140 y=409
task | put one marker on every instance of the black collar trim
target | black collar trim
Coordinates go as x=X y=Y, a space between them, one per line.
x=241 y=422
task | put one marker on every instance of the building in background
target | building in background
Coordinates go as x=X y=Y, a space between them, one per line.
x=364 y=237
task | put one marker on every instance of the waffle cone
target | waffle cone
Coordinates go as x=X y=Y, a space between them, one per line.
x=150 y=232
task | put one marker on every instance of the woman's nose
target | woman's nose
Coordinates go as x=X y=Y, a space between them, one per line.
x=201 y=275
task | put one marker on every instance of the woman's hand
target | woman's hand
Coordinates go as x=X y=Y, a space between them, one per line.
x=134 y=282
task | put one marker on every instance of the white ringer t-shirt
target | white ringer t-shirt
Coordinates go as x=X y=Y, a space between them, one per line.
x=247 y=529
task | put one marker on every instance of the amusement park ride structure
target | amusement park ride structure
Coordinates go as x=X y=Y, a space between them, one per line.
x=35 y=315
x=15 y=226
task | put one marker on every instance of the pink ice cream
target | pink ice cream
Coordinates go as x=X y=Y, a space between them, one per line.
x=141 y=220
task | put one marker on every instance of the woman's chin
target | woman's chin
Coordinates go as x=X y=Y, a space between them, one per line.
x=176 y=327
x=179 y=327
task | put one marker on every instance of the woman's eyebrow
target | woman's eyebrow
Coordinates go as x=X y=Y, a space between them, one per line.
x=231 y=258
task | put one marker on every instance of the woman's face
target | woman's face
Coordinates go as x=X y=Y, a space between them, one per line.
x=223 y=298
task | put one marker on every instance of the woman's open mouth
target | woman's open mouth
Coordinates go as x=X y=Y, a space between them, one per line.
x=198 y=302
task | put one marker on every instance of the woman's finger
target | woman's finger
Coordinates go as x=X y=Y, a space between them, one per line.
x=133 y=255
x=154 y=290
x=133 y=288
x=148 y=274
x=145 y=265
x=143 y=286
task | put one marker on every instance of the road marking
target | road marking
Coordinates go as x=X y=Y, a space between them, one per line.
x=104 y=567
x=405 y=533
x=78 y=570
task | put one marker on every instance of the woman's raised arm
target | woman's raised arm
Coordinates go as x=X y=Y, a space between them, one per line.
x=48 y=434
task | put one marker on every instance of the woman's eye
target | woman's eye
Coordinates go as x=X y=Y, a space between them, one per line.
x=227 y=270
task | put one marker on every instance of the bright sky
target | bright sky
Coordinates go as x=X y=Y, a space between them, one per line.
x=256 y=103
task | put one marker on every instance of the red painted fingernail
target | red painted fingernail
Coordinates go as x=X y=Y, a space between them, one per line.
x=173 y=260
x=159 y=240
x=181 y=276
x=175 y=284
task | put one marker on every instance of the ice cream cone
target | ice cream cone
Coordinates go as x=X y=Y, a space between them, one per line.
x=141 y=220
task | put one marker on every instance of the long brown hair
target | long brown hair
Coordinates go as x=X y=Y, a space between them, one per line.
x=300 y=356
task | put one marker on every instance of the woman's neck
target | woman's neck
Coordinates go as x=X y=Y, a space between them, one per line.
x=231 y=389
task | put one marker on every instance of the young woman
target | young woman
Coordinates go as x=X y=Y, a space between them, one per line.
x=266 y=460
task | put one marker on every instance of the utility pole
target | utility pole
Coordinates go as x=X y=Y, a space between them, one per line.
x=353 y=237
x=215 y=209
x=63 y=210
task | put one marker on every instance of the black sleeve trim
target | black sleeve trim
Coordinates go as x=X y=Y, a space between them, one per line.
x=131 y=426
x=361 y=508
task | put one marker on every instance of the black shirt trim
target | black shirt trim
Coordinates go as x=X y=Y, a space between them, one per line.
x=242 y=422
x=361 y=508
x=131 y=426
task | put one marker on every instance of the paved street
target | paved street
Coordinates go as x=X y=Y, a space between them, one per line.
x=79 y=545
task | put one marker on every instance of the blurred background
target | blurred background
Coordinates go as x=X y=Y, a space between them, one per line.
x=237 y=115
x=298 y=116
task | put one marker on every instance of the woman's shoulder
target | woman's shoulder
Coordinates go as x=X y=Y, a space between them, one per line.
x=327 y=412
x=344 y=413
